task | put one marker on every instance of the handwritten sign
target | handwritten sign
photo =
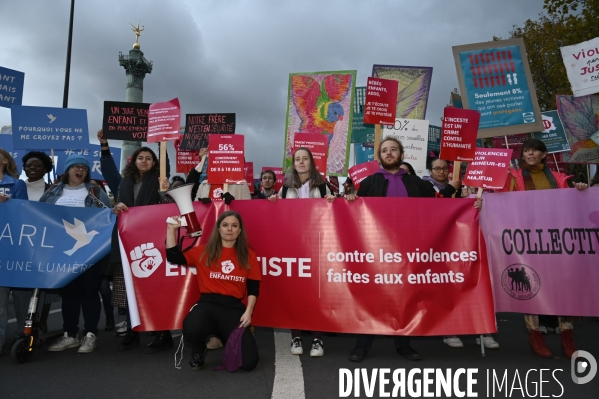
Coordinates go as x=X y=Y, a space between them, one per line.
x=249 y=175
x=381 y=101
x=185 y=160
x=359 y=172
x=38 y=128
x=458 y=134
x=163 y=121
x=11 y=87
x=199 y=126
x=413 y=134
x=125 y=121
x=489 y=168
x=225 y=159
x=280 y=176
x=318 y=144
x=582 y=66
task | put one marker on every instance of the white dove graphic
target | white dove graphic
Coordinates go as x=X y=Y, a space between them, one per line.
x=79 y=233
x=51 y=117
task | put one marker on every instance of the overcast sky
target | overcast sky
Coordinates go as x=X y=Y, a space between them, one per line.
x=236 y=56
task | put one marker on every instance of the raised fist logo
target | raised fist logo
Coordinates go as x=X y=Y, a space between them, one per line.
x=217 y=192
x=228 y=266
x=145 y=260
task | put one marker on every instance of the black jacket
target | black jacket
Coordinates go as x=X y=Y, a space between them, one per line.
x=376 y=186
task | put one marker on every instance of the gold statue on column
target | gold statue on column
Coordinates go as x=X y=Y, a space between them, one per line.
x=137 y=30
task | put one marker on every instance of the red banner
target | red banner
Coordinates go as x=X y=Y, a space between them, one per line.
x=489 y=168
x=163 y=121
x=249 y=175
x=357 y=173
x=318 y=144
x=186 y=160
x=280 y=176
x=225 y=159
x=354 y=273
x=458 y=134
x=381 y=101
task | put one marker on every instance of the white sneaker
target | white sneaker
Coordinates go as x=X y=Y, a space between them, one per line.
x=65 y=342
x=489 y=342
x=317 y=348
x=296 y=346
x=453 y=341
x=88 y=343
x=122 y=330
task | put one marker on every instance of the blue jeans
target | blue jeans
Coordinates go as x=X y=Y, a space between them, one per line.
x=366 y=341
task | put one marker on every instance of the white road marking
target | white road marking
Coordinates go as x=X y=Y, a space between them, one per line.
x=289 y=376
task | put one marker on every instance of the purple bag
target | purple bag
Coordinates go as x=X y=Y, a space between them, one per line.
x=232 y=352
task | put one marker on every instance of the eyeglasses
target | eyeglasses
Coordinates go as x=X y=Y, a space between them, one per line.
x=80 y=167
x=439 y=169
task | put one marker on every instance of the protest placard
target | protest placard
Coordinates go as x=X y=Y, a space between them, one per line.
x=381 y=101
x=11 y=87
x=414 y=84
x=363 y=153
x=458 y=135
x=225 y=159
x=553 y=135
x=186 y=160
x=361 y=132
x=413 y=134
x=582 y=66
x=359 y=172
x=249 y=175
x=318 y=145
x=39 y=128
x=199 y=126
x=92 y=153
x=434 y=139
x=579 y=118
x=495 y=79
x=489 y=168
x=163 y=121
x=125 y=121
x=280 y=175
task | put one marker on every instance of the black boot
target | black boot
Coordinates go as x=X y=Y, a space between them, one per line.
x=163 y=341
x=131 y=339
x=197 y=360
x=109 y=323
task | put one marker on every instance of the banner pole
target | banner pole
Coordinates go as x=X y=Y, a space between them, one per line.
x=377 y=141
x=162 y=145
x=506 y=143
x=588 y=173
x=555 y=160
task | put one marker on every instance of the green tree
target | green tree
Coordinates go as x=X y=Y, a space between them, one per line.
x=566 y=22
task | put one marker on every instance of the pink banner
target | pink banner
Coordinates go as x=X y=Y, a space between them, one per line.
x=163 y=121
x=489 y=169
x=225 y=155
x=381 y=101
x=458 y=134
x=543 y=251
x=357 y=173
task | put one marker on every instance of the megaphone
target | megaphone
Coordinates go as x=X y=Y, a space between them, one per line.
x=182 y=197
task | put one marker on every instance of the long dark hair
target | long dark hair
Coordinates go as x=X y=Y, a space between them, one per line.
x=314 y=176
x=131 y=169
x=214 y=247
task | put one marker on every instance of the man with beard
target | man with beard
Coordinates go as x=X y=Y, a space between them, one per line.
x=390 y=181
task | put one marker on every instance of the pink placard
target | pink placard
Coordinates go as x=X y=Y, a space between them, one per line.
x=357 y=173
x=381 y=101
x=458 y=134
x=164 y=120
x=489 y=168
x=225 y=159
x=318 y=144
x=185 y=160
x=249 y=175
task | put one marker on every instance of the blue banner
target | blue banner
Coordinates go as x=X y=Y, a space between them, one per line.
x=47 y=246
x=11 y=87
x=364 y=153
x=496 y=86
x=39 y=128
x=6 y=145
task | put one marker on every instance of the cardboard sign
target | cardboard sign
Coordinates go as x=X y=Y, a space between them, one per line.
x=186 y=160
x=225 y=159
x=381 y=101
x=11 y=87
x=582 y=66
x=39 y=128
x=489 y=168
x=554 y=135
x=361 y=132
x=163 y=121
x=458 y=135
x=413 y=134
x=199 y=126
x=249 y=175
x=125 y=121
x=280 y=176
x=357 y=173
x=318 y=144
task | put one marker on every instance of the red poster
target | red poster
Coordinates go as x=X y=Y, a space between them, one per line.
x=164 y=120
x=356 y=274
x=318 y=144
x=381 y=101
x=458 y=134
x=489 y=168
x=249 y=176
x=280 y=176
x=186 y=160
x=357 y=173
x=225 y=159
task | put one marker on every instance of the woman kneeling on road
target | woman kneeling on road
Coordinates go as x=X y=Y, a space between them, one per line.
x=227 y=272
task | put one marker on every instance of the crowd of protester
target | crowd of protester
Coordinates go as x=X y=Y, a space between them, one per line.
x=220 y=317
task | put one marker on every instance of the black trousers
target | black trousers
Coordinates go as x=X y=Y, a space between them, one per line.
x=210 y=318
x=79 y=295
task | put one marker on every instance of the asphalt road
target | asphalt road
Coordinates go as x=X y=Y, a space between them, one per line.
x=107 y=373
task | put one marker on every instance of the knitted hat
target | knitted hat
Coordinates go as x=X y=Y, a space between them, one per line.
x=75 y=159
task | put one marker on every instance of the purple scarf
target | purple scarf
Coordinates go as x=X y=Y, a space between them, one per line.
x=396 y=187
x=440 y=186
